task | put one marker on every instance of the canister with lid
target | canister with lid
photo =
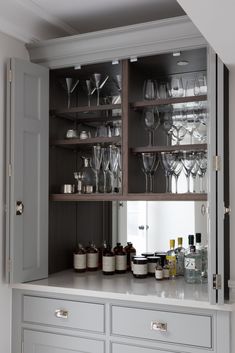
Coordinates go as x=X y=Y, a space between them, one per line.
x=153 y=261
x=140 y=267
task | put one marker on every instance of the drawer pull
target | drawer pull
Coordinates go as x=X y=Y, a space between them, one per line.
x=159 y=326
x=62 y=314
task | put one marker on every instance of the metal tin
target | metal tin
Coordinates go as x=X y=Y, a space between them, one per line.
x=87 y=189
x=68 y=189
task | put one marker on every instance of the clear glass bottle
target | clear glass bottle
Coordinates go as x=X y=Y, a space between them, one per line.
x=92 y=258
x=87 y=176
x=192 y=266
x=79 y=259
x=179 y=252
x=171 y=258
x=202 y=250
x=108 y=261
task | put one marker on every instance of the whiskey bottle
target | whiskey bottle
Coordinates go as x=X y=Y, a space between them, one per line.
x=171 y=258
x=179 y=253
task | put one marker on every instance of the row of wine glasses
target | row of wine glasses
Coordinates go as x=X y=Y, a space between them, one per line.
x=194 y=164
x=177 y=124
x=175 y=87
x=102 y=170
x=94 y=84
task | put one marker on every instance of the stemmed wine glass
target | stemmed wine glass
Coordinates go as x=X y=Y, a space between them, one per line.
x=188 y=160
x=149 y=167
x=194 y=172
x=166 y=122
x=69 y=85
x=96 y=163
x=192 y=124
x=151 y=121
x=96 y=79
x=177 y=168
x=179 y=126
x=167 y=161
x=113 y=163
x=119 y=169
x=202 y=162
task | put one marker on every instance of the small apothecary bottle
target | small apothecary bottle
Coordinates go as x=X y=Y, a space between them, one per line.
x=140 y=267
x=120 y=260
x=92 y=258
x=108 y=261
x=153 y=261
x=130 y=252
x=159 y=272
x=79 y=259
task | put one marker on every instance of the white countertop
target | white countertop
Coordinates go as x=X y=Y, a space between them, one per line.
x=126 y=287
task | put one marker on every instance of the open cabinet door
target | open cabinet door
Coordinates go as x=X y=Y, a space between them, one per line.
x=27 y=171
x=218 y=195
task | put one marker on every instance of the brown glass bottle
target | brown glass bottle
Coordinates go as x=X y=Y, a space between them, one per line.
x=108 y=261
x=115 y=249
x=92 y=258
x=130 y=252
x=79 y=259
x=120 y=260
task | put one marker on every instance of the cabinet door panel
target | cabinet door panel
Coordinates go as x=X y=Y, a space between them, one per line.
x=27 y=135
x=123 y=348
x=41 y=342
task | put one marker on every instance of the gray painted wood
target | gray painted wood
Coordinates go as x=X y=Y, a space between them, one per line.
x=28 y=137
x=124 y=348
x=42 y=342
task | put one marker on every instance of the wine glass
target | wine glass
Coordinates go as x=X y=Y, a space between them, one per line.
x=200 y=133
x=202 y=162
x=69 y=84
x=99 y=84
x=96 y=163
x=152 y=121
x=179 y=126
x=119 y=169
x=167 y=161
x=149 y=89
x=188 y=160
x=192 y=124
x=166 y=122
x=194 y=172
x=177 y=168
x=149 y=160
x=177 y=87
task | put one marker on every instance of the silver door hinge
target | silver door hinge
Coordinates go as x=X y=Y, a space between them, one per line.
x=216 y=163
x=227 y=210
x=9 y=265
x=217 y=281
x=10 y=76
x=9 y=170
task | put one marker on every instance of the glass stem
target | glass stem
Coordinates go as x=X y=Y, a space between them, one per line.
x=169 y=182
x=105 y=181
x=68 y=100
x=194 y=183
x=150 y=183
x=146 y=183
x=188 y=183
x=98 y=97
x=96 y=182
x=89 y=100
x=176 y=183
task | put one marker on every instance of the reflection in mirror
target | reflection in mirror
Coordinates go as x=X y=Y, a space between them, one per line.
x=150 y=225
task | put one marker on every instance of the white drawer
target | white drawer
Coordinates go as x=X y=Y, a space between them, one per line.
x=170 y=327
x=64 y=313
x=123 y=348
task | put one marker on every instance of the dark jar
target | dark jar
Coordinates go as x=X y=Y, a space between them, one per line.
x=79 y=259
x=162 y=256
x=147 y=254
x=108 y=261
x=153 y=261
x=92 y=258
x=140 y=267
x=120 y=260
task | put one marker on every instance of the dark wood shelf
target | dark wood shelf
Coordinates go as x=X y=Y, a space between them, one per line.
x=173 y=148
x=86 y=109
x=71 y=143
x=155 y=102
x=132 y=196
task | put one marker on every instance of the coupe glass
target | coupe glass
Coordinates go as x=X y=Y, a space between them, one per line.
x=150 y=89
x=69 y=84
x=99 y=84
x=151 y=121
x=96 y=163
x=167 y=162
x=149 y=167
x=90 y=91
x=188 y=160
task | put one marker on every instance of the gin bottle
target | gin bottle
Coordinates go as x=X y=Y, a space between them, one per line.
x=192 y=266
x=202 y=250
x=179 y=253
x=171 y=258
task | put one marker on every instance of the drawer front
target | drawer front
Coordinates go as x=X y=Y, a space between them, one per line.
x=42 y=342
x=188 y=329
x=123 y=348
x=64 y=313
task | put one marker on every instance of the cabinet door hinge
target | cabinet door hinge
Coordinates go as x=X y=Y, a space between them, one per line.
x=10 y=76
x=217 y=281
x=216 y=163
x=9 y=265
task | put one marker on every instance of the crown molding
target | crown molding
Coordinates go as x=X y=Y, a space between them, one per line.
x=15 y=31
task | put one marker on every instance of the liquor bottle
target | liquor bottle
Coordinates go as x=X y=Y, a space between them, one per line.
x=190 y=243
x=120 y=260
x=130 y=252
x=192 y=266
x=79 y=259
x=171 y=258
x=92 y=258
x=202 y=250
x=108 y=261
x=179 y=252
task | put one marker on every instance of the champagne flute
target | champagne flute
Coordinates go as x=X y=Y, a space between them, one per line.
x=96 y=163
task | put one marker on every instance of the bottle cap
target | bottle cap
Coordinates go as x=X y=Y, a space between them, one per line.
x=198 y=237
x=191 y=239
x=180 y=241
x=172 y=243
x=192 y=248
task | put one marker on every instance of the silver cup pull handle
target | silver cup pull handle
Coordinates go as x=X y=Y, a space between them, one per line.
x=159 y=326
x=61 y=313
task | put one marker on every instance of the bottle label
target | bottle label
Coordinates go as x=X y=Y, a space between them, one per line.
x=151 y=267
x=140 y=269
x=79 y=261
x=189 y=263
x=159 y=274
x=108 y=263
x=92 y=260
x=166 y=273
x=121 y=262
x=172 y=265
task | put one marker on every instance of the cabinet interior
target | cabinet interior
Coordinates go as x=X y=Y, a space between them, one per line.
x=83 y=218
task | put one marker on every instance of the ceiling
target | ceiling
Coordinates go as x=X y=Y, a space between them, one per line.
x=33 y=20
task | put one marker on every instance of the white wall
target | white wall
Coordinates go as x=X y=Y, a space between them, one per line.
x=9 y=47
